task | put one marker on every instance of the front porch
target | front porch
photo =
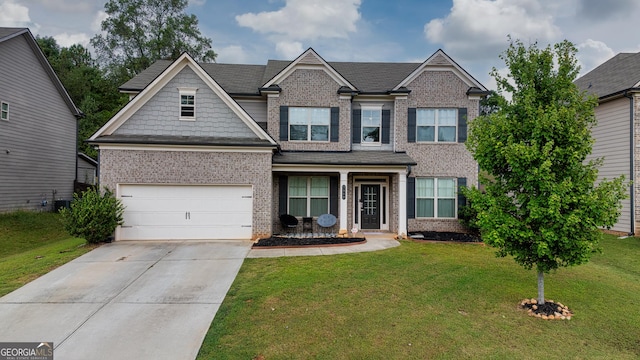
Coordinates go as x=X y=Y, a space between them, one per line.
x=365 y=190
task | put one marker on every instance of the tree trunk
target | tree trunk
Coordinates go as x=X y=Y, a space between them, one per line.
x=540 y=288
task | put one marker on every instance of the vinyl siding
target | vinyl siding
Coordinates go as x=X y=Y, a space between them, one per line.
x=38 y=143
x=612 y=143
x=160 y=115
x=257 y=110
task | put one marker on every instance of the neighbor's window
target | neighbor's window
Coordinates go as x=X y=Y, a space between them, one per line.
x=308 y=195
x=435 y=198
x=436 y=125
x=371 y=124
x=4 y=111
x=309 y=124
x=187 y=104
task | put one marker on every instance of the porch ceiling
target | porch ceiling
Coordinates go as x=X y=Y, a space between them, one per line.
x=352 y=158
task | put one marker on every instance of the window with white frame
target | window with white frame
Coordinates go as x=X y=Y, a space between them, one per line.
x=436 y=125
x=435 y=198
x=309 y=124
x=308 y=195
x=187 y=104
x=4 y=111
x=371 y=123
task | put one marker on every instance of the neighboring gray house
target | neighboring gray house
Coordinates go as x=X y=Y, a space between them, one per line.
x=37 y=127
x=222 y=150
x=616 y=83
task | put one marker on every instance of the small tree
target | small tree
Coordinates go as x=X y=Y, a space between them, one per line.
x=541 y=204
x=93 y=216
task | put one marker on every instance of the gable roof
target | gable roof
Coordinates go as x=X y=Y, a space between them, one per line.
x=364 y=77
x=616 y=75
x=159 y=82
x=10 y=33
x=441 y=61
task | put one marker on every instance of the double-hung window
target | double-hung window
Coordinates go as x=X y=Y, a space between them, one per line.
x=4 y=111
x=371 y=124
x=435 y=198
x=309 y=124
x=436 y=125
x=187 y=104
x=308 y=195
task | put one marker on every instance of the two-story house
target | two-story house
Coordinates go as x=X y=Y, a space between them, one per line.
x=207 y=151
x=38 y=127
x=616 y=84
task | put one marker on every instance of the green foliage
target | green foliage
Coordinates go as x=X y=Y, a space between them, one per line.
x=541 y=204
x=93 y=215
x=91 y=89
x=468 y=217
x=138 y=32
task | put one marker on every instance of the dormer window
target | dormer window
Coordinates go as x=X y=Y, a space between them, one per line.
x=187 y=104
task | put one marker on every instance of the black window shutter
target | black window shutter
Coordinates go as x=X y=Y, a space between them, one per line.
x=411 y=198
x=335 y=124
x=462 y=125
x=284 y=123
x=283 y=194
x=355 y=129
x=334 y=190
x=462 y=200
x=386 y=125
x=411 y=125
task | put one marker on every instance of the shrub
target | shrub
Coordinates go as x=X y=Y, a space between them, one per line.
x=93 y=215
x=468 y=217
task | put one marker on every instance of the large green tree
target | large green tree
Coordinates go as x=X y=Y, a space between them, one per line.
x=136 y=33
x=91 y=89
x=542 y=203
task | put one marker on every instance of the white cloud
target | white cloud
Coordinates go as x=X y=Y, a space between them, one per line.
x=592 y=53
x=232 y=54
x=66 y=40
x=14 y=15
x=96 y=24
x=479 y=28
x=306 y=20
x=197 y=2
x=289 y=49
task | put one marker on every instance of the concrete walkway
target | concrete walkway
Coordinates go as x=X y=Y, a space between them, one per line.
x=126 y=300
x=375 y=241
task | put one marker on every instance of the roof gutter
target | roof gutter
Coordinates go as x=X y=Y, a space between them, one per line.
x=632 y=161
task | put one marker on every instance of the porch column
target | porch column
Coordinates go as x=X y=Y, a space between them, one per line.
x=342 y=194
x=402 y=203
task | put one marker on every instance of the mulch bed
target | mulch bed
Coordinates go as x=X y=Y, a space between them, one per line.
x=550 y=310
x=305 y=241
x=444 y=236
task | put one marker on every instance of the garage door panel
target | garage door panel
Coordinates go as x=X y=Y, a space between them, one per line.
x=158 y=212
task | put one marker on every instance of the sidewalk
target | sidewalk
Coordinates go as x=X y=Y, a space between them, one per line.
x=375 y=241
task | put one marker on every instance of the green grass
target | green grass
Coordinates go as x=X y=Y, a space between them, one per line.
x=32 y=244
x=427 y=301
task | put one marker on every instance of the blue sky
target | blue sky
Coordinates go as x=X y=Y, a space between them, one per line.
x=472 y=32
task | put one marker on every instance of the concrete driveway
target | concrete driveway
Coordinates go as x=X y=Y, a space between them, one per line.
x=126 y=300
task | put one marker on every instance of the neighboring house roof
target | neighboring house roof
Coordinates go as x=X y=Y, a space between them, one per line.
x=377 y=158
x=615 y=76
x=10 y=33
x=88 y=159
x=366 y=77
x=106 y=133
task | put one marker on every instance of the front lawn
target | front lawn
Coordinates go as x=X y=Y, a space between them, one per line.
x=31 y=245
x=427 y=301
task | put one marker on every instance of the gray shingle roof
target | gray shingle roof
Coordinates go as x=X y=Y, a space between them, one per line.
x=368 y=77
x=617 y=74
x=370 y=158
x=6 y=32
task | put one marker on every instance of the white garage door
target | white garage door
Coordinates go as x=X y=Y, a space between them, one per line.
x=167 y=212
